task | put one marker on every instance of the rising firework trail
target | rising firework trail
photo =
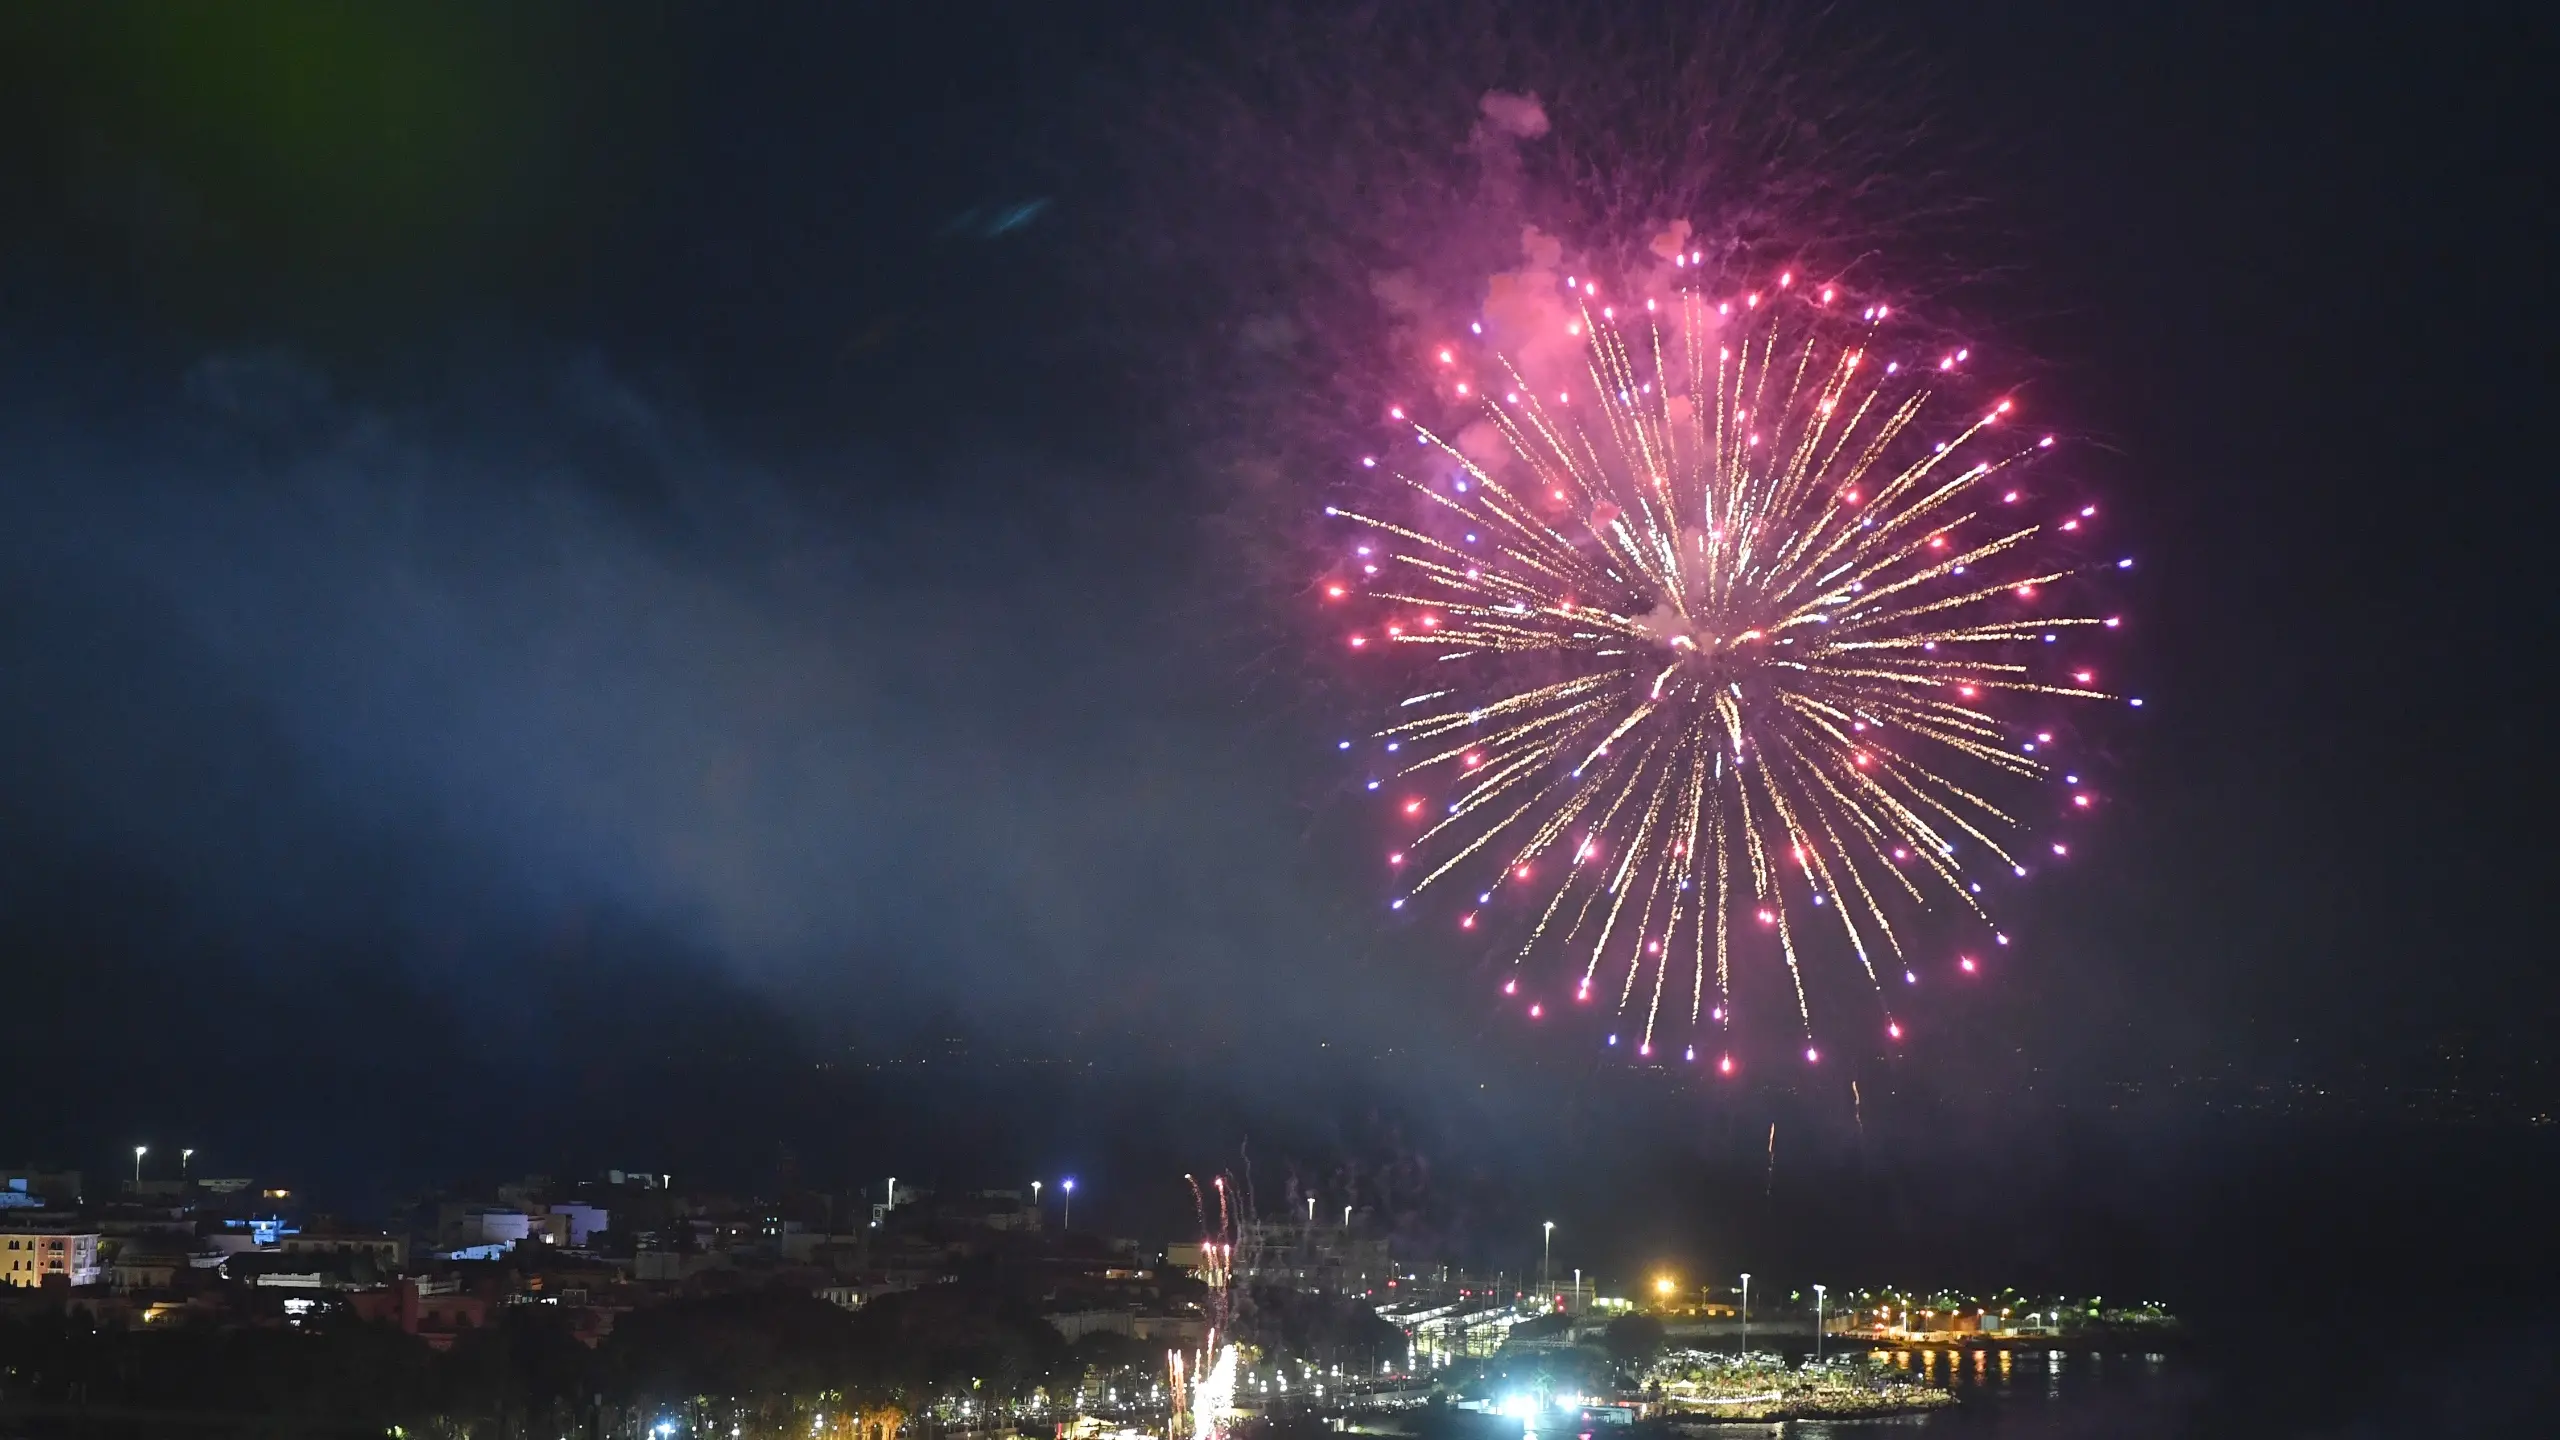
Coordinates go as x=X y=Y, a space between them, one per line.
x=1731 y=626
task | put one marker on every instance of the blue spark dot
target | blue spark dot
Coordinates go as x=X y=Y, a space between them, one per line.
x=2030 y=747
x=1485 y=899
x=2137 y=704
x=1342 y=745
x=1462 y=485
x=2125 y=564
x=2020 y=870
x=1613 y=1039
x=1471 y=539
x=1910 y=979
x=1397 y=904
x=1394 y=745
x=1329 y=510
x=2070 y=779
x=1373 y=784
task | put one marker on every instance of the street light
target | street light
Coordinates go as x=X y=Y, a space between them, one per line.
x=183 y=1157
x=1067 y=1216
x=1817 y=1324
x=1035 y=1195
x=138 y=1152
x=1346 y=1217
x=1546 y=1266
x=1746 y=1312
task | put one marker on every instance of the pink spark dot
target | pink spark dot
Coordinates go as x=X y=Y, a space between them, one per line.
x=2045 y=444
x=1396 y=414
x=1947 y=364
x=1826 y=295
x=1967 y=963
x=1396 y=859
x=2080 y=675
x=1522 y=872
x=1787 y=279
x=1645 y=1048
x=2113 y=621
x=1901 y=854
x=1653 y=947
x=1428 y=621
x=1512 y=395
x=1413 y=807
x=1608 y=312
x=1395 y=630
x=2026 y=592
x=2003 y=410
x=1725 y=1065
x=2059 y=850
x=1812 y=1056
x=1446 y=357
x=1893 y=1030
x=1965 y=690
x=1574 y=328
x=1335 y=591
x=1510 y=987
x=1462 y=387
x=1468 y=923
x=1359 y=640
x=2009 y=499
x=1768 y=919
x=2080 y=800
x=1369 y=461
x=1537 y=1010
x=1474 y=760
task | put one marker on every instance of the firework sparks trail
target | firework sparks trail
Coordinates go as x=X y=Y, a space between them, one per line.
x=1732 y=623
x=1203 y=1386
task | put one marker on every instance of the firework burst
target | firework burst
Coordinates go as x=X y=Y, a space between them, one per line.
x=1732 y=629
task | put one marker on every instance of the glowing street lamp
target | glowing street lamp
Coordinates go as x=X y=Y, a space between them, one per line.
x=1746 y=1312
x=183 y=1157
x=1546 y=1265
x=1067 y=1216
x=1817 y=1324
x=138 y=1152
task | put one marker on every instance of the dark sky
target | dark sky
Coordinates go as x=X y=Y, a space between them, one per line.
x=544 y=545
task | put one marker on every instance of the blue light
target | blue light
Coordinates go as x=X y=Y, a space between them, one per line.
x=2125 y=564
x=1373 y=784
x=1397 y=904
x=1342 y=745
x=1613 y=1039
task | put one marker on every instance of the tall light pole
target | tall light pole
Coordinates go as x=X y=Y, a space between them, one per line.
x=1311 y=1211
x=1346 y=1217
x=1067 y=1216
x=1817 y=1324
x=138 y=1152
x=1746 y=1312
x=183 y=1157
x=1546 y=1267
x=1035 y=1195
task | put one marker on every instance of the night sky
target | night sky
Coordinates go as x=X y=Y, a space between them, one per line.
x=564 y=570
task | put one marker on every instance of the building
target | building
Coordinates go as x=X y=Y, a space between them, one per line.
x=34 y=1255
x=389 y=1253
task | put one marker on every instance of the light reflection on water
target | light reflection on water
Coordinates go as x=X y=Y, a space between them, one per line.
x=2031 y=1394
